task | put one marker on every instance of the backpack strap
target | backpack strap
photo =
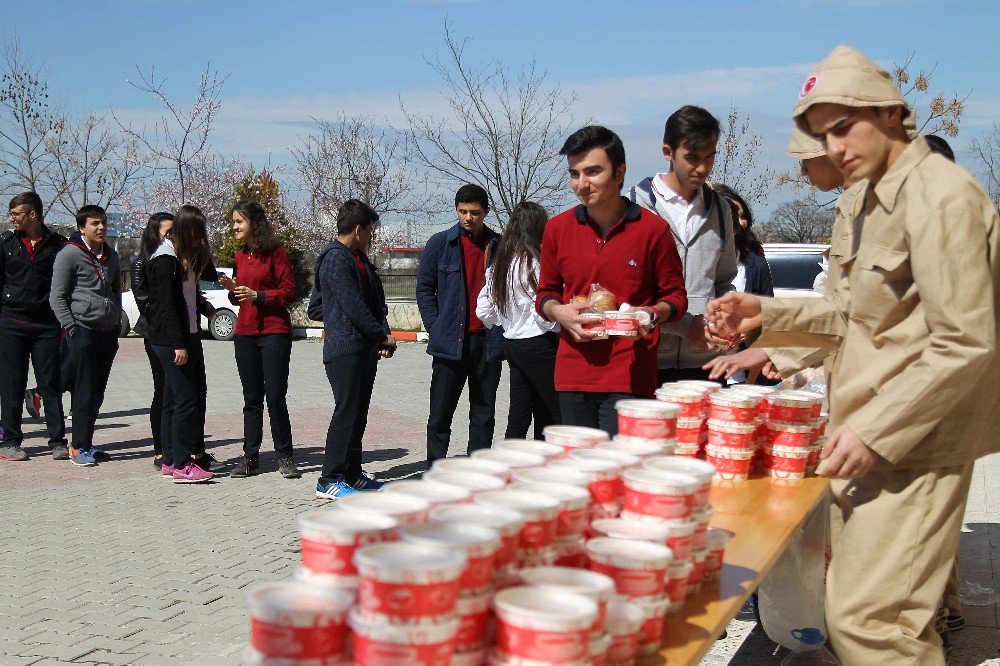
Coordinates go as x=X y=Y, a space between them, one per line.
x=714 y=200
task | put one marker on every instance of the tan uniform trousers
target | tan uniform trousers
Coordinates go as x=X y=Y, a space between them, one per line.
x=895 y=537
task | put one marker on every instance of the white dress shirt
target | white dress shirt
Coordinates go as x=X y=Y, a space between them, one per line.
x=522 y=320
x=686 y=218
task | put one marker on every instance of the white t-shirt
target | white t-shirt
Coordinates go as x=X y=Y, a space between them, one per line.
x=686 y=218
x=523 y=321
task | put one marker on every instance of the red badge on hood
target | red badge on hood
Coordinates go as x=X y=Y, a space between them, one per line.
x=808 y=85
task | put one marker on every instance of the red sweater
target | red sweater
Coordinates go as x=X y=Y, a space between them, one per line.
x=270 y=275
x=638 y=262
x=474 y=260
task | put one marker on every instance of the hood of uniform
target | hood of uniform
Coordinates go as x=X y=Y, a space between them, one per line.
x=849 y=78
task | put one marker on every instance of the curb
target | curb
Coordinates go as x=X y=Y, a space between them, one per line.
x=402 y=336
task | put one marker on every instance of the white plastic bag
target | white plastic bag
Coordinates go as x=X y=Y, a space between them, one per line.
x=791 y=596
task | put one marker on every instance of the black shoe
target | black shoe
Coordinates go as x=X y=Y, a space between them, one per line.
x=60 y=452
x=246 y=467
x=208 y=463
x=287 y=468
x=158 y=462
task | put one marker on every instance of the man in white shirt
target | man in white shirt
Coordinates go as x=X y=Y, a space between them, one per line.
x=702 y=226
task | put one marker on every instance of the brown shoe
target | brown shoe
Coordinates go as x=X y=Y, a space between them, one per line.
x=245 y=467
x=287 y=468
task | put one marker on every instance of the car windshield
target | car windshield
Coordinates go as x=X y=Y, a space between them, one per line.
x=793 y=271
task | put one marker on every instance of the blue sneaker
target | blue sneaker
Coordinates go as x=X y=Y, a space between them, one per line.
x=334 y=489
x=81 y=457
x=365 y=482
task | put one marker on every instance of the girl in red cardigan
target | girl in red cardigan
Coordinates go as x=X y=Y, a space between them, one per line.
x=264 y=288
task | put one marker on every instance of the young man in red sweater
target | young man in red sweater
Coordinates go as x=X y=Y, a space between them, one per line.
x=629 y=251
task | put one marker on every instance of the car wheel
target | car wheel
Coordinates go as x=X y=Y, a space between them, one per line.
x=124 y=326
x=222 y=325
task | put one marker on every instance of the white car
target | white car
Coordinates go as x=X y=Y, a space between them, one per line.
x=794 y=267
x=222 y=325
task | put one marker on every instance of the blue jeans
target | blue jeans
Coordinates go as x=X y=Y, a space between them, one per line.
x=91 y=354
x=352 y=379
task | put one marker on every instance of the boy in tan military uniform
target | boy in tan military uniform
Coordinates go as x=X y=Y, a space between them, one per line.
x=912 y=402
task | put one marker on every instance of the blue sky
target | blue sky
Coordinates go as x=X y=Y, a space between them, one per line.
x=631 y=63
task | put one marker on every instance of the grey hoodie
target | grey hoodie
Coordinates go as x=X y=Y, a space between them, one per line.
x=710 y=263
x=86 y=291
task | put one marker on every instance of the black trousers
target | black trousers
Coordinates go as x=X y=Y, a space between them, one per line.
x=182 y=427
x=591 y=410
x=447 y=381
x=155 y=407
x=352 y=379
x=665 y=375
x=533 y=396
x=39 y=343
x=91 y=354
x=262 y=362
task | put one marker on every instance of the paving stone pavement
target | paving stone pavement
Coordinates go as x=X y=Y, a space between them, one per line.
x=111 y=565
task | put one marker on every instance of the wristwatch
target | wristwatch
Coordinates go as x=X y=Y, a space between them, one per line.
x=654 y=319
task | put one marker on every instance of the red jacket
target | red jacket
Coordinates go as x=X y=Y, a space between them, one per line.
x=270 y=275
x=638 y=262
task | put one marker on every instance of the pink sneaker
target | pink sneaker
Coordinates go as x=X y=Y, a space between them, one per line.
x=191 y=474
x=167 y=472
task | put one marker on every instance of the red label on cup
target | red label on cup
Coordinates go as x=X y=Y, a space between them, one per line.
x=632 y=582
x=623 y=648
x=676 y=588
x=660 y=506
x=575 y=559
x=681 y=545
x=605 y=491
x=472 y=631
x=789 y=464
x=328 y=558
x=538 y=534
x=572 y=522
x=507 y=553
x=713 y=560
x=282 y=641
x=688 y=435
x=646 y=427
x=732 y=440
x=789 y=438
x=730 y=468
x=478 y=573
x=408 y=600
x=551 y=646
x=789 y=414
x=744 y=415
x=370 y=652
x=651 y=631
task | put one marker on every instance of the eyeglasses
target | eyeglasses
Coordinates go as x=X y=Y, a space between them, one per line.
x=18 y=214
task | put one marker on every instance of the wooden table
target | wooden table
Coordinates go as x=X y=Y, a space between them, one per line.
x=763 y=515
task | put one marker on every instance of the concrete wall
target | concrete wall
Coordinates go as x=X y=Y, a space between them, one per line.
x=404 y=316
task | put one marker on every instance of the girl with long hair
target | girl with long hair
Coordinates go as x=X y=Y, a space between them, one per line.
x=743 y=215
x=264 y=287
x=530 y=342
x=172 y=315
x=156 y=230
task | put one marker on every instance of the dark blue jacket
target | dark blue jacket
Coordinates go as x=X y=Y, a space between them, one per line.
x=759 y=279
x=442 y=299
x=354 y=320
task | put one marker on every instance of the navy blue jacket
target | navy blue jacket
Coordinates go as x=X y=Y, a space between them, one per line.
x=442 y=299
x=759 y=279
x=354 y=320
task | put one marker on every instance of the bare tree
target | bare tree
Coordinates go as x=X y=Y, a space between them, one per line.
x=798 y=221
x=987 y=149
x=180 y=138
x=738 y=163
x=27 y=121
x=352 y=157
x=91 y=163
x=504 y=133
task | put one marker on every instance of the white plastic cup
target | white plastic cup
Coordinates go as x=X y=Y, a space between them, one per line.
x=691 y=400
x=507 y=522
x=574 y=437
x=532 y=446
x=595 y=586
x=329 y=539
x=474 y=482
x=462 y=464
x=651 y=632
x=540 y=513
x=574 y=505
x=297 y=622
x=435 y=494
x=409 y=581
x=605 y=480
x=378 y=642
x=716 y=539
x=678 y=574
x=473 y=614
x=643 y=448
x=511 y=459
x=598 y=651
x=637 y=567
x=730 y=464
x=652 y=419
x=623 y=528
x=789 y=462
x=405 y=509
x=624 y=460
x=551 y=475
x=699 y=469
x=479 y=544
x=624 y=621
x=552 y=626
x=658 y=495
